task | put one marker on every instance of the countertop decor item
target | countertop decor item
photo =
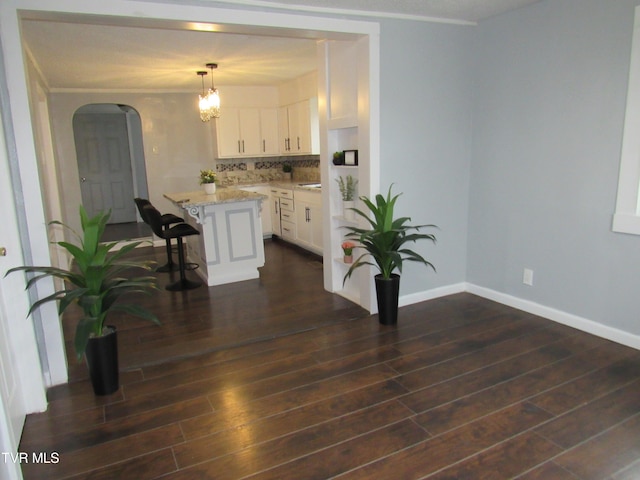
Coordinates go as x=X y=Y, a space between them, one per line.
x=347 y=249
x=98 y=281
x=347 y=187
x=208 y=181
x=287 y=170
x=385 y=243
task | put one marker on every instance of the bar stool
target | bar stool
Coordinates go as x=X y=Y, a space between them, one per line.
x=168 y=219
x=178 y=232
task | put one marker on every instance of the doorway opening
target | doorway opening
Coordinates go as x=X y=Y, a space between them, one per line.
x=111 y=166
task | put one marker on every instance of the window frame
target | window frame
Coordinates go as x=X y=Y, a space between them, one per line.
x=626 y=218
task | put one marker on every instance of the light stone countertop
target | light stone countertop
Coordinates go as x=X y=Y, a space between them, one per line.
x=288 y=184
x=222 y=195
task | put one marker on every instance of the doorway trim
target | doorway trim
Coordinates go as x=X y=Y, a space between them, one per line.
x=136 y=161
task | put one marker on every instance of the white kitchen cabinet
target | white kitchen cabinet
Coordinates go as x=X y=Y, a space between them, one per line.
x=309 y=219
x=247 y=132
x=288 y=219
x=274 y=201
x=269 y=131
x=283 y=213
x=298 y=128
x=283 y=129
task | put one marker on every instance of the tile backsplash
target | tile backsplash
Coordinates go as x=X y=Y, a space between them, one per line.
x=240 y=171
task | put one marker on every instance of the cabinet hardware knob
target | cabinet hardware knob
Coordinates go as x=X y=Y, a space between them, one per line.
x=3 y=252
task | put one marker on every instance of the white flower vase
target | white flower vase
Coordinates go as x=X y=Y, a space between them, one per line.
x=347 y=213
x=209 y=188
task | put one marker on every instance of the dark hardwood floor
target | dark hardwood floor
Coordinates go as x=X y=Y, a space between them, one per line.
x=275 y=378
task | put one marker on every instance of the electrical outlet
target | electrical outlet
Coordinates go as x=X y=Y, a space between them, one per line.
x=527 y=277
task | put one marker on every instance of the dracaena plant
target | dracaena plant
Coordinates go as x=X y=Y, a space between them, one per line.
x=385 y=242
x=95 y=281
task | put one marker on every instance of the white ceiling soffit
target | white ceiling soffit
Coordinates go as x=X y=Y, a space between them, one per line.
x=455 y=11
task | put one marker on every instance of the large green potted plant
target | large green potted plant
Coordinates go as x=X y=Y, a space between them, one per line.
x=95 y=282
x=386 y=243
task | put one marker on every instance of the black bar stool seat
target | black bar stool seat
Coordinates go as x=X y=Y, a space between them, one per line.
x=178 y=232
x=167 y=219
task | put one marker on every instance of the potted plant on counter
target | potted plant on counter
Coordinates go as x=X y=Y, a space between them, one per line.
x=97 y=281
x=208 y=181
x=347 y=189
x=385 y=242
x=287 y=171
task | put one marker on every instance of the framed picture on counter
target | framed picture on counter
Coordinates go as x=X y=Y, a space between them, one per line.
x=350 y=157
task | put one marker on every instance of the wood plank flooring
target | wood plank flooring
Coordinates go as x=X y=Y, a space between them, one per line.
x=301 y=384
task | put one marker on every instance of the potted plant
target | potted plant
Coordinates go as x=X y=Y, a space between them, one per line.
x=287 y=169
x=385 y=242
x=347 y=249
x=348 y=192
x=97 y=281
x=208 y=181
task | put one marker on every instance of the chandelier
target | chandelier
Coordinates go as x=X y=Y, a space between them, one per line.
x=209 y=103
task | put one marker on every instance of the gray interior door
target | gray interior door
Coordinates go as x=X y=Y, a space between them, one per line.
x=104 y=165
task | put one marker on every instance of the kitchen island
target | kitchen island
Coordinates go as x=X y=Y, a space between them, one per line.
x=230 y=246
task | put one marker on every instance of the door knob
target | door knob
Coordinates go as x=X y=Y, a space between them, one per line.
x=83 y=179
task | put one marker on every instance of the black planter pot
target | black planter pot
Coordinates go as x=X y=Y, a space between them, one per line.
x=102 y=360
x=387 y=292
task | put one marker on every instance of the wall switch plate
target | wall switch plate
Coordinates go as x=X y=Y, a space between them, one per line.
x=527 y=277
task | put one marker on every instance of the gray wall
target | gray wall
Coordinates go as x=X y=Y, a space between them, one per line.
x=549 y=101
x=425 y=140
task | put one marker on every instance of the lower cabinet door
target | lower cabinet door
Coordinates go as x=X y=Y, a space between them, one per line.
x=288 y=230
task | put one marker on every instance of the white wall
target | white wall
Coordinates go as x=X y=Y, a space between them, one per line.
x=551 y=81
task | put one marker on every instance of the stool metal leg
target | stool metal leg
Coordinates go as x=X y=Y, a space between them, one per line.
x=184 y=283
x=170 y=266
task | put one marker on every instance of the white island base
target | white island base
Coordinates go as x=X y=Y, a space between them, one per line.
x=230 y=246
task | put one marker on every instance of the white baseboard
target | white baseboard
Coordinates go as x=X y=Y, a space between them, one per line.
x=431 y=294
x=584 y=324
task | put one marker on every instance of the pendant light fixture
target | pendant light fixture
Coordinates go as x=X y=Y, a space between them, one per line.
x=210 y=102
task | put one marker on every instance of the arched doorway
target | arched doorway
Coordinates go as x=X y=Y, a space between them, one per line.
x=111 y=167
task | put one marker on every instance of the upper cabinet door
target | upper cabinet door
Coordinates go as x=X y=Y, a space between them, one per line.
x=283 y=130
x=238 y=132
x=250 y=138
x=303 y=134
x=269 y=130
x=228 y=133
x=295 y=128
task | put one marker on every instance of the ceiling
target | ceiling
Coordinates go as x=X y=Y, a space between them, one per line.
x=71 y=54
